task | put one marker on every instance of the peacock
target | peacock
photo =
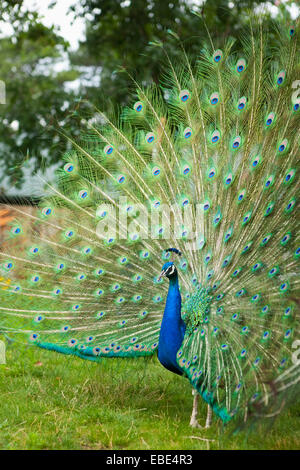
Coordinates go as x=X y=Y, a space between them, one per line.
x=172 y=229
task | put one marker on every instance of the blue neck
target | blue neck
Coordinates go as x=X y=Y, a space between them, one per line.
x=172 y=328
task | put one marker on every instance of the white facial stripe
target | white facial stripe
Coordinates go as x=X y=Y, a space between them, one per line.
x=172 y=270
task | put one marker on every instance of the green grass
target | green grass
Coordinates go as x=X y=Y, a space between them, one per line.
x=51 y=401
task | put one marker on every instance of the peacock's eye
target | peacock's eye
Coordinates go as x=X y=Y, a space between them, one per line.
x=296 y=106
x=138 y=106
x=83 y=194
x=108 y=149
x=187 y=132
x=150 y=137
x=292 y=31
x=215 y=137
x=236 y=142
x=214 y=98
x=218 y=55
x=68 y=167
x=121 y=179
x=280 y=77
x=240 y=65
x=184 y=95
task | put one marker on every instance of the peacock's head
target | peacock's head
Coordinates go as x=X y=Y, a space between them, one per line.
x=169 y=270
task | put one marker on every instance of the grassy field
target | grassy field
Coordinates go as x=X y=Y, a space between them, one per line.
x=50 y=401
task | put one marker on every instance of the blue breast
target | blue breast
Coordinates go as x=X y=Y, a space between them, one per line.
x=172 y=329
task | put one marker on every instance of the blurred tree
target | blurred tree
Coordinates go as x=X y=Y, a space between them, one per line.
x=35 y=93
x=118 y=33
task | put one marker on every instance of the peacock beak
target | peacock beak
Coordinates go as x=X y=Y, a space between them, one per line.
x=161 y=275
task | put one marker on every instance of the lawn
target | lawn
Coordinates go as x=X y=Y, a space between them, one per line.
x=50 y=401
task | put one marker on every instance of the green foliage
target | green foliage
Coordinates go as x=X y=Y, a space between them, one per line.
x=55 y=402
x=36 y=98
x=118 y=34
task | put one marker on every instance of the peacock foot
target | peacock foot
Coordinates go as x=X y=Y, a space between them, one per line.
x=194 y=423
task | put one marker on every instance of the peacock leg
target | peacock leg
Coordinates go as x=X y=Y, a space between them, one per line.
x=208 y=417
x=193 y=422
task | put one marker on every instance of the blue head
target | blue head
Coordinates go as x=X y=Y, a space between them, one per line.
x=169 y=270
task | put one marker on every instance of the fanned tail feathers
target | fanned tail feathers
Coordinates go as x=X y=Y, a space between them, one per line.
x=206 y=163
